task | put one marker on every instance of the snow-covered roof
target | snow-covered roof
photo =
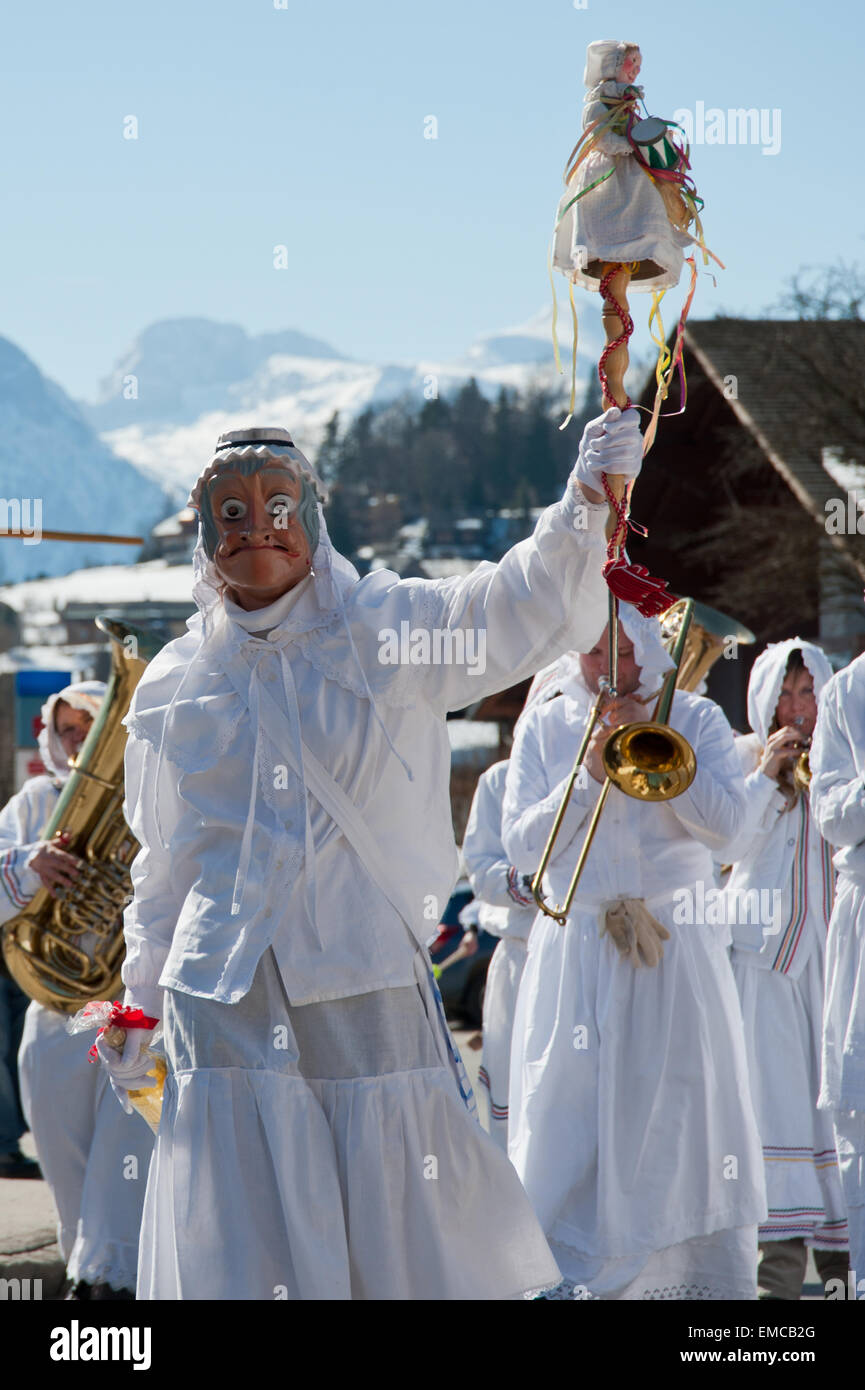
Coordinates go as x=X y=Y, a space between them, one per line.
x=472 y=742
x=154 y=581
x=64 y=658
x=846 y=473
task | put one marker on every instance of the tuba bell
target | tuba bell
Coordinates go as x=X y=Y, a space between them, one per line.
x=67 y=950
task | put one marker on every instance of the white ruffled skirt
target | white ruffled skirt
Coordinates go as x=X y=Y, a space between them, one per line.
x=631 y=1123
x=325 y=1151
x=500 y=1002
x=783 y=1033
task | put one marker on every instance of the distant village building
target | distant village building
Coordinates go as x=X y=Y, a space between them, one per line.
x=743 y=494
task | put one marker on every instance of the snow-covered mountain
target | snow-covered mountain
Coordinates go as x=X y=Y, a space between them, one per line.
x=185 y=381
x=55 y=470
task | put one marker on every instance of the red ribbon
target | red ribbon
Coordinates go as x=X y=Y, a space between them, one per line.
x=125 y=1018
x=633 y=584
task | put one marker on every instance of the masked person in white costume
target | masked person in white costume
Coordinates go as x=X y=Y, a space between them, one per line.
x=631 y=1123
x=779 y=899
x=287 y=776
x=94 y=1158
x=838 y=805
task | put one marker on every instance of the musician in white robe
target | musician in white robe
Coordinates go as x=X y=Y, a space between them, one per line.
x=287 y=777
x=94 y=1158
x=630 y=1117
x=506 y=910
x=780 y=895
x=838 y=804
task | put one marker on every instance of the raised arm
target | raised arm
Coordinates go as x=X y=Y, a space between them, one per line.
x=545 y=596
x=764 y=802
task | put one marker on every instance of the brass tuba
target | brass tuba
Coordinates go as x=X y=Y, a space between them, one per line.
x=67 y=950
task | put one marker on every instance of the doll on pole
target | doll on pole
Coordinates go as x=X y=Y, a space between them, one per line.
x=622 y=223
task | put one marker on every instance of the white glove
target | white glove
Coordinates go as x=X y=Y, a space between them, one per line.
x=611 y=444
x=127 y=1070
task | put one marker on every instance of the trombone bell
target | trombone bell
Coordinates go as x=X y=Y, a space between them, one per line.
x=650 y=762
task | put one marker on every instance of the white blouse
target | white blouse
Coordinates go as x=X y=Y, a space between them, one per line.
x=238 y=853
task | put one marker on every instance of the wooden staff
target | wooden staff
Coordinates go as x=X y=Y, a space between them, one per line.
x=76 y=536
x=613 y=363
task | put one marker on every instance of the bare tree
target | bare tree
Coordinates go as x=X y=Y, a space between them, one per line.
x=822 y=292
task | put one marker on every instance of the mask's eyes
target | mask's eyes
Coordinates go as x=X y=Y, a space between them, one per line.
x=280 y=504
x=232 y=509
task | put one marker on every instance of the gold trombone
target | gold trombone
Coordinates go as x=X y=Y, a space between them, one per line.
x=648 y=761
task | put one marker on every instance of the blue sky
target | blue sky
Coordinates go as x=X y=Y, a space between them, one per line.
x=304 y=126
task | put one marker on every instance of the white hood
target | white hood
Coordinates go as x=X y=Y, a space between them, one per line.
x=767 y=677
x=86 y=695
x=165 y=704
x=566 y=676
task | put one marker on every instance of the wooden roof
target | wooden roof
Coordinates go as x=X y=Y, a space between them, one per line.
x=797 y=387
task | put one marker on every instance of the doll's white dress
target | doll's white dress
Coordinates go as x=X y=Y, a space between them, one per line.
x=622 y=219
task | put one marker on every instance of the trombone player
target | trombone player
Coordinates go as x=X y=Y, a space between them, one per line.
x=631 y=1121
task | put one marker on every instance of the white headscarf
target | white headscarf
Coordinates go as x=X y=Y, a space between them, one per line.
x=566 y=675
x=767 y=677
x=86 y=695
x=650 y=654
x=155 y=710
x=604 y=57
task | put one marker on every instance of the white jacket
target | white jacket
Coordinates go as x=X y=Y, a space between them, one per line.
x=22 y=821
x=838 y=804
x=217 y=704
x=640 y=850
x=778 y=851
x=507 y=906
x=26 y=814
x=838 y=769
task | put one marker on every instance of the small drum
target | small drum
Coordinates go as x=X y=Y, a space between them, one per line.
x=655 y=145
x=649 y=130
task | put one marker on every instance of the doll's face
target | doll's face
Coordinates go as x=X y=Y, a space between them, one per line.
x=630 y=68
x=262 y=550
